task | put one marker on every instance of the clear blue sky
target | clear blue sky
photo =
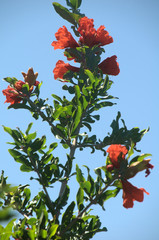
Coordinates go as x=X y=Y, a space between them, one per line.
x=27 y=30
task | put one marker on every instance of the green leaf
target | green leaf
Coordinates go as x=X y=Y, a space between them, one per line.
x=20 y=106
x=47 y=159
x=79 y=175
x=25 y=89
x=53 y=230
x=25 y=168
x=57 y=98
x=38 y=144
x=78 y=94
x=30 y=137
x=10 y=80
x=77 y=118
x=7 y=231
x=131 y=151
x=15 y=154
x=67 y=216
x=109 y=194
x=64 y=13
x=14 y=133
x=90 y=75
x=29 y=127
x=87 y=125
x=100 y=105
x=43 y=233
x=80 y=197
x=76 y=3
x=140 y=158
x=84 y=102
x=86 y=186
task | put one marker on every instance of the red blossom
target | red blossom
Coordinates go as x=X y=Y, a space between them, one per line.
x=90 y=36
x=64 y=39
x=61 y=68
x=117 y=152
x=132 y=193
x=110 y=66
x=12 y=96
x=18 y=85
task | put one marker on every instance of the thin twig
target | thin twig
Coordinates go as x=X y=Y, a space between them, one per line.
x=44 y=117
x=93 y=201
x=50 y=206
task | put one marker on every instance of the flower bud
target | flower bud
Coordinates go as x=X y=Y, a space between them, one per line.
x=30 y=77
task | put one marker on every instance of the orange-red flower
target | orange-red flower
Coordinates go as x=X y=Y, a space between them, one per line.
x=132 y=193
x=61 y=68
x=12 y=96
x=90 y=36
x=110 y=66
x=117 y=153
x=64 y=39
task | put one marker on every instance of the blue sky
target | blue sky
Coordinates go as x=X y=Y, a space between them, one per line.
x=27 y=30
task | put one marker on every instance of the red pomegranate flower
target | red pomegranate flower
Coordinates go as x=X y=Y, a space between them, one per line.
x=117 y=152
x=132 y=193
x=12 y=96
x=90 y=36
x=61 y=68
x=64 y=39
x=110 y=66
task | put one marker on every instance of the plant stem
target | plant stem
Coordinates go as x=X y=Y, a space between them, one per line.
x=49 y=205
x=45 y=118
x=93 y=201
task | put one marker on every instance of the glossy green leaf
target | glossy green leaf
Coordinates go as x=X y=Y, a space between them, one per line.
x=80 y=197
x=66 y=14
x=28 y=128
x=86 y=186
x=90 y=75
x=53 y=230
x=7 y=231
x=67 y=216
x=38 y=144
x=14 y=153
x=79 y=175
x=140 y=158
x=78 y=94
x=77 y=118
x=47 y=159
x=20 y=106
x=30 y=137
x=109 y=194
x=10 y=80
x=57 y=98
x=43 y=233
x=25 y=168
x=84 y=102
x=14 y=133
x=76 y=3
x=87 y=125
